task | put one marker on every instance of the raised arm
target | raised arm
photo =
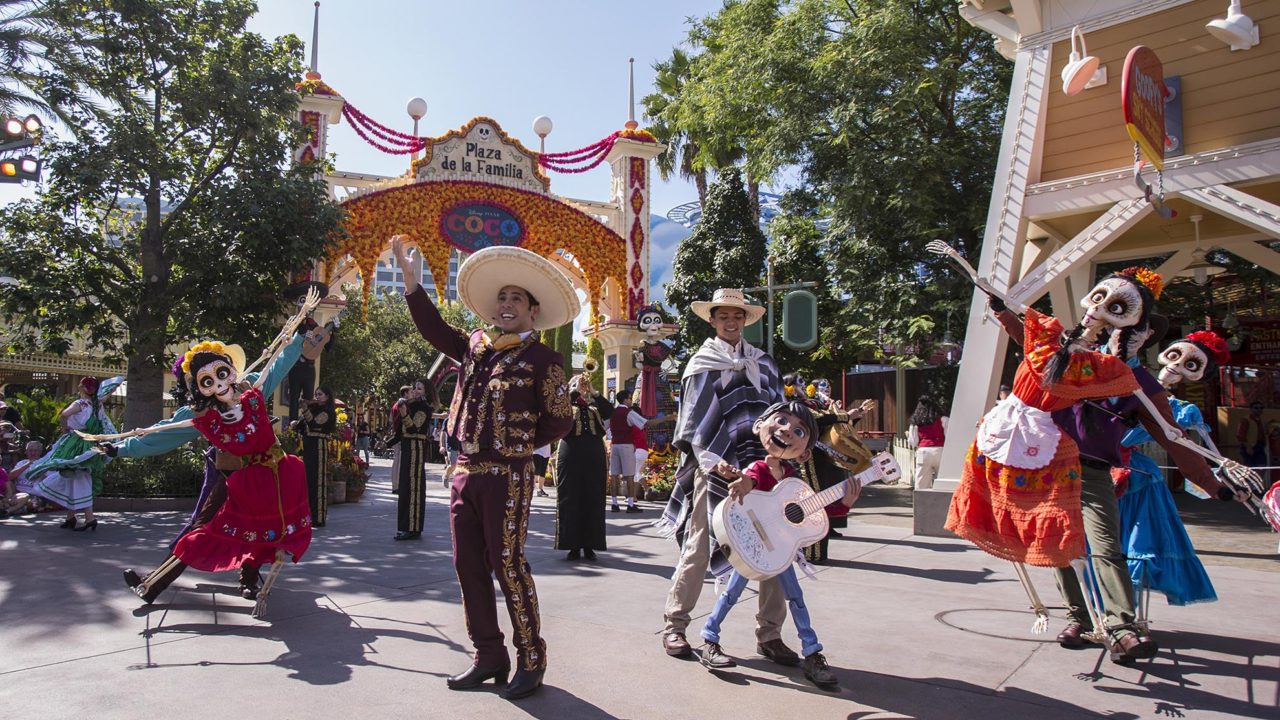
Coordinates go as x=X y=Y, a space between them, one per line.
x=443 y=337
x=278 y=370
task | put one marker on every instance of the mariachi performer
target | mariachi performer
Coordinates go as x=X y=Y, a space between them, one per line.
x=265 y=516
x=316 y=427
x=837 y=454
x=582 y=472
x=1159 y=551
x=414 y=434
x=70 y=474
x=510 y=398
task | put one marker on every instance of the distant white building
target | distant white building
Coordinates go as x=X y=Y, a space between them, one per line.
x=388 y=279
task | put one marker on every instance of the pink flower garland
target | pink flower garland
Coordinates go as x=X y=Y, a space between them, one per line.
x=400 y=143
x=394 y=142
x=572 y=161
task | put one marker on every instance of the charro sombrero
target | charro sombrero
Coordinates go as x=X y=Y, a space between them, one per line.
x=727 y=297
x=487 y=271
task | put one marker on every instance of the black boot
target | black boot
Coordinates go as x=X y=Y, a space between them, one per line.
x=475 y=676
x=524 y=684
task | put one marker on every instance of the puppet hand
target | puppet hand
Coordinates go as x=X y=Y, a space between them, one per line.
x=852 y=491
x=106 y=448
x=725 y=470
x=739 y=488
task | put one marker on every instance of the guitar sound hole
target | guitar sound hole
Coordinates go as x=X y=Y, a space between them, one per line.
x=793 y=513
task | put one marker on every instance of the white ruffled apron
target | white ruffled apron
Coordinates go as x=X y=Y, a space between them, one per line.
x=1017 y=435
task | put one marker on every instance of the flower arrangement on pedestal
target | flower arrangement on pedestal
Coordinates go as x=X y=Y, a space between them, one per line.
x=348 y=468
x=659 y=474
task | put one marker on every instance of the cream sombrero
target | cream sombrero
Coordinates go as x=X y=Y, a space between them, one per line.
x=487 y=271
x=727 y=297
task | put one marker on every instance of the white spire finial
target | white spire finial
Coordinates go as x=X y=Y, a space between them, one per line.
x=315 y=45
x=631 y=94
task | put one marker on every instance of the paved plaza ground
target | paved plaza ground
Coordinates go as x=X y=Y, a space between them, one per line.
x=366 y=627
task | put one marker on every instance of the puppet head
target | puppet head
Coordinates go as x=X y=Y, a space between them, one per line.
x=210 y=371
x=649 y=321
x=787 y=430
x=1122 y=303
x=1190 y=358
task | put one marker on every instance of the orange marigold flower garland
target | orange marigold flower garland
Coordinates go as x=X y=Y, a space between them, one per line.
x=415 y=211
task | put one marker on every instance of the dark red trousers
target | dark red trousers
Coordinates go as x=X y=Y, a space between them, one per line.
x=489 y=516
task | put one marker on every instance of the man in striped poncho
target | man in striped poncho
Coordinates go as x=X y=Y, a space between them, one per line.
x=726 y=386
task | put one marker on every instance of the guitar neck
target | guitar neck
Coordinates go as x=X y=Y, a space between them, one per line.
x=820 y=500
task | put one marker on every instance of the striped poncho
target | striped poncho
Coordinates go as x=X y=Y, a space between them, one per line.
x=717 y=409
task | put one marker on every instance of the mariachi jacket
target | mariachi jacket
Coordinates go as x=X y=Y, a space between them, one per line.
x=507 y=403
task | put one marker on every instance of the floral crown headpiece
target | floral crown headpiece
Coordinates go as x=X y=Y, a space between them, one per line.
x=211 y=346
x=1214 y=343
x=1146 y=277
x=234 y=353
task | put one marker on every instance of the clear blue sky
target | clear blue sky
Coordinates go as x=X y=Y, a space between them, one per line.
x=507 y=59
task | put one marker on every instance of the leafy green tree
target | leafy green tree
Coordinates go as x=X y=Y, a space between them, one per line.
x=373 y=356
x=726 y=249
x=172 y=219
x=889 y=112
x=596 y=350
x=563 y=343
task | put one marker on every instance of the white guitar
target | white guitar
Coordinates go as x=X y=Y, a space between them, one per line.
x=762 y=534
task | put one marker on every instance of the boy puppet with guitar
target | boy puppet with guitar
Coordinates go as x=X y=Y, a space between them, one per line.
x=788 y=431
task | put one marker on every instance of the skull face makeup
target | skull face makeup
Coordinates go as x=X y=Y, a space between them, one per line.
x=217 y=380
x=1182 y=360
x=1121 y=302
x=649 y=322
x=1114 y=302
x=1193 y=357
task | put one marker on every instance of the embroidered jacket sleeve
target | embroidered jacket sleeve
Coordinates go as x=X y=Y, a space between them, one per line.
x=555 y=416
x=443 y=337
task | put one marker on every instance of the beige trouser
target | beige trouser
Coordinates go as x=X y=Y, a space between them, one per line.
x=691 y=571
x=927 y=460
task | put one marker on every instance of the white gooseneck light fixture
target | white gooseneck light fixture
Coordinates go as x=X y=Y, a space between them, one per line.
x=1236 y=29
x=1082 y=69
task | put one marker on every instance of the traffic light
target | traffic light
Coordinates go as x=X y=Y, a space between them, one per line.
x=14 y=170
x=20 y=133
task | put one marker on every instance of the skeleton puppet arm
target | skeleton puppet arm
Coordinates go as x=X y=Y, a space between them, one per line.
x=1190 y=457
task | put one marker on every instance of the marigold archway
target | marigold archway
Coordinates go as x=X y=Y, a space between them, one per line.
x=418 y=211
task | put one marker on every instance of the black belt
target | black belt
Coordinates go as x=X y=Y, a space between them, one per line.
x=1095 y=464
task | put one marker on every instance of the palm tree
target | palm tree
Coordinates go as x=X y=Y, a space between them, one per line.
x=662 y=108
x=40 y=67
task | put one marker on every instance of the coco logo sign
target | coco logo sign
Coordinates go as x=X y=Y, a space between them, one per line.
x=473 y=226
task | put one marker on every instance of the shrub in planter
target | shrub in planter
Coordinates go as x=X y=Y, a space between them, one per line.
x=179 y=473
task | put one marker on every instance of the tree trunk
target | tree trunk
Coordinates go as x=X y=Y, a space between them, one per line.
x=145 y=404
x=147 y=333
x=753 y=195
x=700 y=182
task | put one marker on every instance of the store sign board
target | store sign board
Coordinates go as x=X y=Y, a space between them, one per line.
x=1142 y=98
